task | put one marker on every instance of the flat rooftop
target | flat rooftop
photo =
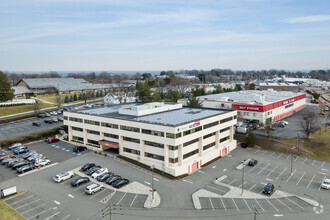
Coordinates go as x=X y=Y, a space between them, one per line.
x=173 y=118
x=255 y=97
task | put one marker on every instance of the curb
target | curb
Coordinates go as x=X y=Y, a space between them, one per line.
x=309 y=201
x=36 y=170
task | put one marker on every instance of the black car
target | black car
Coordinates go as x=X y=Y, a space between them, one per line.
x=79 y=180
x=269 y=188
x=19 y=164
x=46 y=139
x=25 y=168
x=41 y=116
x=12 y=162
x=252 y=163
x=60 y=118
x=48 y=121
x=92 y=170
x=244 y=145
x=104 y=176
x=87 y=166
x=112 y=179
x=36 y=123
x=79 y=149
x=7 y=160
x=120 y=183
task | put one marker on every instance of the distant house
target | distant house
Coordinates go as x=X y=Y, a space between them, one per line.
x=22 y=91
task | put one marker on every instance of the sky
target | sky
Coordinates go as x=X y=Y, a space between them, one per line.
x=142 y=35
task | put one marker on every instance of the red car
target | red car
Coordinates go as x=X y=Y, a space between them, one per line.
x=7 y=156
x=51 y=140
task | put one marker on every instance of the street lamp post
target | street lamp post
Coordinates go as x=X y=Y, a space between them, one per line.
x=298 y=141
x=152 y=181
x=243 y=177
x=292 y=159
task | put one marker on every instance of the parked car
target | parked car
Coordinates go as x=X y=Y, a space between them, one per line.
x=120 y=183
x=6 y=161
x=21 y=151
x=25 y=168
x=91 y=170
x=60 y=118
x=36 y=123
x=112 y=179
x=93 y=188
x=48 y=120
x=59 y=112
x=7 y=156
x=19 y=164
x=285 y=122
x=52 y=140
x=87 y=166
x=63 y=176
x=12 y=162
x=99 y=172
x=55 y=120
x=104 y=176
x=252 y=162
x=41 y=116
x=29 y=154
x=35 y=157
x=14 y=146
x=19 y=147
x=269 y=188
x=244 y=145
x=80 y=180
x=47 y=114
x=326 y=184
x=41 y=162
x=79 y=149
x=47 y=138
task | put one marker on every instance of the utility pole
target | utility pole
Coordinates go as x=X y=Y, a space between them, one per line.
x=243 y=177
x=110 y=211
x=152 y=181
x=298 y=141
x=256 y=212
x=292 y=160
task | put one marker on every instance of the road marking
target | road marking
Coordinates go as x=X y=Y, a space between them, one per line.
x=252 y=187
x=259 y=205
x=57 y=203
x=82 y=193
x=281 y=173
x=216 y=189
x=284 y=204
x=22 y=199
x=187 y=181
x=254 y=167
x=156 y=179
x=42 y=212
x=240 y=186
x=301 y=178
x=53 y=215
x=235 y=204
x=63 y=148
x=291 y=175
x=256 y=151
x=26 y=204
x=33 y=208
x=223 y=204
x=322 y=163
x=322 y=173
x=107 y=198
x=324 y=169
x=280 y=155
x=272 y=205
x=313 y=162
x=147 y=182
x=272 y=153
x=66 y=217
x=288 y=157
x=211 y=204
x=214 y=167
x=133 y=200
x=278 y=215
x=121 y=199
x=78 y=187
x=224 y=170
x=263 y=183
x=263 y=169
x=232 y=182
x=272 y=171
x=246 y=204
x=311 y=180
x=200 y=171
x=305 y=159
x=321 y=183
x=294 y=203
x=296 y=158
x=270 y=180
x=95 y=194
x=71 y=196
x=228 y=155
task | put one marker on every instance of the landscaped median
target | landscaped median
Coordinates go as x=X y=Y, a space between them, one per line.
x=6 y=212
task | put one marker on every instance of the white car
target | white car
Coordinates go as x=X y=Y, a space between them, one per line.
x=285 y=122
x=41 y=162
x=99 y=172
x=63 y=176
x=94 y=187
x=326 y=184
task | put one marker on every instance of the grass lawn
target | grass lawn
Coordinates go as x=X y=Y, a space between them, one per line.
x=53 y=98
x=10 y=110
x=318 y=145
x=8 y=213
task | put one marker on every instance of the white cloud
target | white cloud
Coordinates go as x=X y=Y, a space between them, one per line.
x=309 y=19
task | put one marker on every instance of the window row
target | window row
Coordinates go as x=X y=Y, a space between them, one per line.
x=190 y=142
x=170 y=147
x=191 y=131
x=79 y=139
x=111 y=135
x=173 y=160
x=225 y=129
x=92 y=142
x=91 y=122
x=173 y=136
x=153 y=144
x=151 y=132
x=131 y=140
x=128 y=128
x=109 y=125
x=211 y=125
x=77 y=129
x=75 y=119
x=191 y=153
x=226 y=120
x=224 y=139
x=128 y=150
x=154 y=156
x=93 y=132
x=208 y=135
x=209 y=145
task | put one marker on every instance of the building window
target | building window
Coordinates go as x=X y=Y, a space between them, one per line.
x=75 y=119
x=78 y=139
x=131 y=140
x=190 y=142
x=137 y=152
x=235 y=116
x=109 y=125
x=208 y=135
x=209 y=145
x=191 y=131
x=225 y=129
x=191 y=153
x=111 y=135
x=151 y=132
x=153 y=144
x=170 y=147
x=92 y=122
x=128 y=128
x=92 y=142
x=288 y=106
x=227 y=119
x=154 y=156
x=211 y=125
x=65 y=117
x=224 y=139
x=254 y=114
x=93 y=132
x=171 y=135
x=173 y=160
x=246 y=113
x=77 y=129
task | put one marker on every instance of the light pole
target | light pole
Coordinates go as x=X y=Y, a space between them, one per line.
x=243 y=177
x=292 y=159
x=152 y=181
x=298 y=141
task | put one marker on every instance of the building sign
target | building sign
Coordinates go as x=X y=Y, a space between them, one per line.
x=249 y=108
x=195 y=124
x=253 y=108
x=182 y=128
x=288 y=101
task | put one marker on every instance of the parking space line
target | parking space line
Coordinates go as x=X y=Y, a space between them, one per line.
x=211 y=204
x=284 y=204
x=252 y=187
x=272 y=205
x=294 y=203
x=235 y=204
x=291 y=175
x=66 y=217
x=280 y=155
x=34 y=208
x=259 y=205
x=133 y=200
x=301 y=178
x=21 y=200
x=311 y=180
x=79 y=187
x=305 y=159
x=313 y=162
x=296 y=158
x=241 y=184
x=216 y=189
x=256 y=151
x=95 y=194
x=232 y=182
x=272 y=153
x=272 y=171
x=247 y=204
x=255 y=167
x=82 y=193
x=322 y=164
x=223 y=204
x=42 y=212
x=121 y=199
x=27 y=204
x=281 y=173
x=321 y=183
x=53 y=215
x=263 y=169
x=288 y=157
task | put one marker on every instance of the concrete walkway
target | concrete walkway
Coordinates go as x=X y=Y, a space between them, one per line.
x=41 y=100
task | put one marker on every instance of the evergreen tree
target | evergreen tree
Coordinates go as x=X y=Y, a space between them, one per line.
x=156 y=97
x=66 y=99
x=71 y=98
x=80 y=96
x=218 y=90
x=250 y=139
x=97 y=94
x=194 y=102
x=75 y=97
x=101 y=93
x=143 y=92
x=174 y=96
x=93 y=95
x=6 y=92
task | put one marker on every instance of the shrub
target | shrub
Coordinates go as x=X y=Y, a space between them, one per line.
x=250 y=139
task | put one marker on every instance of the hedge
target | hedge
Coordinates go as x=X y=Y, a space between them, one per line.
x=16 y=118
x=30 y=137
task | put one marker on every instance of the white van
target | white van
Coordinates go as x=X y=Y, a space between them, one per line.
x=93 y=188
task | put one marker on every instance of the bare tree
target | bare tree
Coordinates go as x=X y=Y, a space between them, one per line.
x=59 y=101
x=180 y=83
x=308 y=124
x=36 y=106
